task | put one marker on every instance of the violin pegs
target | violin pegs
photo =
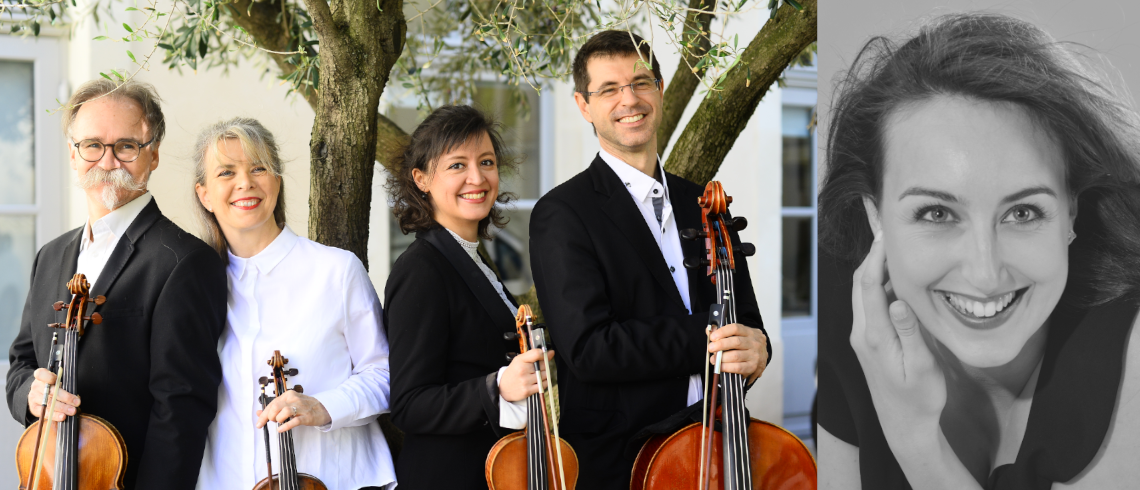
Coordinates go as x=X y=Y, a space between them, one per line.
x=738 y=223
x=694 y=262
x=100 y=299
x=55 y=325
x=291 y=371
x=285 y=360
x=58 y=305
x=263 y=380
x=96 y=318
x=747 y=249
x=510 y=336
x=299 y=389
x=511 y=356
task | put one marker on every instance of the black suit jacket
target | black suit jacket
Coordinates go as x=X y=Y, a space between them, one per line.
x=445 y=327
x=151 y=368
x=626 y=345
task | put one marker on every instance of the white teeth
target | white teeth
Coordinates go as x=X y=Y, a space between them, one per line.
x=629 y=119
x=474 y=195
x=977 y=308
x=246 y=202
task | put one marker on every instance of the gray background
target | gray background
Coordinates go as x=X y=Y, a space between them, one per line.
x=1111 y=28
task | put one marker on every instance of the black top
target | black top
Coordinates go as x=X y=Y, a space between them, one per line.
x=151 y=367
x=445 y=327
x=1072 y=406
x=626 y=344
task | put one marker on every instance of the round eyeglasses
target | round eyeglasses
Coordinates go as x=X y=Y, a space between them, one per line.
x=643 y=86
x=125 y=151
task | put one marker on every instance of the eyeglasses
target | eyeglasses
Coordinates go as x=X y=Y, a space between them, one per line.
x=643 y=86
x=125 y=150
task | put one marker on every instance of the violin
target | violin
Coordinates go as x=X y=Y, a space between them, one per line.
x=289 y=478
x=547 y=465
x=89 y=453
x=746 y=453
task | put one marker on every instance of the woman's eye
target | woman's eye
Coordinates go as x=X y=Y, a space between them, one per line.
x=1023 y=214
x=455 y=166
x=257 y=170
x=225 y=173
x=488 y=163
x=935 y=214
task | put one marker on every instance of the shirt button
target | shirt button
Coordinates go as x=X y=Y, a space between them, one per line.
x=672 y=269
x=654 y=191
x=627 y=184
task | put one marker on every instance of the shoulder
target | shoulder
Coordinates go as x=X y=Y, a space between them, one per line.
x=326 y=256
x=57 y=245
x=168 y=238
x=421 y=259
x=680 y=184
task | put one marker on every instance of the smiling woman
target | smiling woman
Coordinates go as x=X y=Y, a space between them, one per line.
x=979 y=223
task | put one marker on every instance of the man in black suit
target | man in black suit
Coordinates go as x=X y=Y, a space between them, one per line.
x=151 y=367
x=627 y=318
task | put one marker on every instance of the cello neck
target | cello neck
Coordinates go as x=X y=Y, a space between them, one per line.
x=737 y=469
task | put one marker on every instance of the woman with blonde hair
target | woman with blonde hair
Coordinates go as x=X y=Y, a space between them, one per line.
x=313 y=303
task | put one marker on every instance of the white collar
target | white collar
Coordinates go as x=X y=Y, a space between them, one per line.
x=266 y=259
x=640 y=185
x=118 y=220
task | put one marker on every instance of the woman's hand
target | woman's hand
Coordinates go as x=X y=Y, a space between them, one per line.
x=519 y=380
x=293 y=409
x=906 y=383
x=65 y=403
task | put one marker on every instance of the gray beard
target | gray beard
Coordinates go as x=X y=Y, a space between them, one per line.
x=116 y=182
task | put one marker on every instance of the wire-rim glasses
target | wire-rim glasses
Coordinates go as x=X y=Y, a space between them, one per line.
x=642 y=86
x=125 y=151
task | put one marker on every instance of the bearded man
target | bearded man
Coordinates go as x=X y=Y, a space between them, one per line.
x=151 y=367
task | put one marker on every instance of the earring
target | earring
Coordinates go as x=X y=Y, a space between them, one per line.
x=1072 y=236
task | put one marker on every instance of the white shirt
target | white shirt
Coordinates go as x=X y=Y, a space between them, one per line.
x=100 y=238
x=512 y=415
x=317 y=306
x=643 y=189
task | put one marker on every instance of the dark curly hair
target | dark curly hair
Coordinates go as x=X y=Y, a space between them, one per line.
x=995 y=58
x=445 y=129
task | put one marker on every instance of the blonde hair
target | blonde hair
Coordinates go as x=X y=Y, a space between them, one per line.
x=258 y=145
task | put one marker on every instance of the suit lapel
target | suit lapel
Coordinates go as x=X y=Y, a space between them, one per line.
x=125 y=248
x=476 y=281
x=688 y=215
x=623 y=211
x=68 y=264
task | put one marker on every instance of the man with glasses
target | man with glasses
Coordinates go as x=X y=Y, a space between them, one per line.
x=151 y=367
x=627 y=317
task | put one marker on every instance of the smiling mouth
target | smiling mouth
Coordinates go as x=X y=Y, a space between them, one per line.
x=983 y=314
x=474 y=195
x=249 y=203
x=632 y=119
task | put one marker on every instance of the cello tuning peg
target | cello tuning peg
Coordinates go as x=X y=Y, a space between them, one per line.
x=739 y=223
x=291 y=371
x=694 y=262
x=693 y=234
x=100 y=299
x=299 y=388
x=728 y=199
x=58 y=305
x=55 y=325
x=95 y=318
x=263 y=381
x=748 y=249
x=511 y=356
x=510 y=336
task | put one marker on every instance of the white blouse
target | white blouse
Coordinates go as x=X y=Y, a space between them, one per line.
x=317 y=306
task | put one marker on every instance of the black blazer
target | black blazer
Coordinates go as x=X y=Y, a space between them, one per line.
x=626 y=345
x=445 y=328
x=151 y=368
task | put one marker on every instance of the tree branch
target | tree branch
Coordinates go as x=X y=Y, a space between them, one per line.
x=718 y=121
x=322 y=19
x=685 y=80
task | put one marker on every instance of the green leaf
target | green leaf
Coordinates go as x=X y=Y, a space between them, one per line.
x=316 y=79
x=735 y=41
x=36 y=28
x=128 y=9
x=127 y=27
x=15 y=29
x=117 y=74
x=202 y=46
x=131 y=55
x=795 y=4
x=100 y=38
x=104 y=75
x=408 y=85
x=166 y=46
x=312 y=42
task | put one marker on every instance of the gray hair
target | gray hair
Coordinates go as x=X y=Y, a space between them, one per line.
x=140 y=92
x=259 y=146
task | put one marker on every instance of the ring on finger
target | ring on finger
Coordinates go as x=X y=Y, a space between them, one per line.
x=294 y=407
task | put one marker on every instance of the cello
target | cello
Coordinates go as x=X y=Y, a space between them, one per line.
x=88 y=453
x=547 y=465
x=288 y=478
x=746 y=453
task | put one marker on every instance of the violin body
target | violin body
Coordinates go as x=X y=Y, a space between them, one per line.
x=305 y=481
x=102 y=455
x=506 y=467
x=779 y=460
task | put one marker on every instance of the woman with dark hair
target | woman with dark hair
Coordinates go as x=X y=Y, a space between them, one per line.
x=453 y=393
x=976 y=330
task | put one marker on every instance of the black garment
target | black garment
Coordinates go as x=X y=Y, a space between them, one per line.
x=626 y=345
x=1072 y=407
x=445 y=327
x=151 y=368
